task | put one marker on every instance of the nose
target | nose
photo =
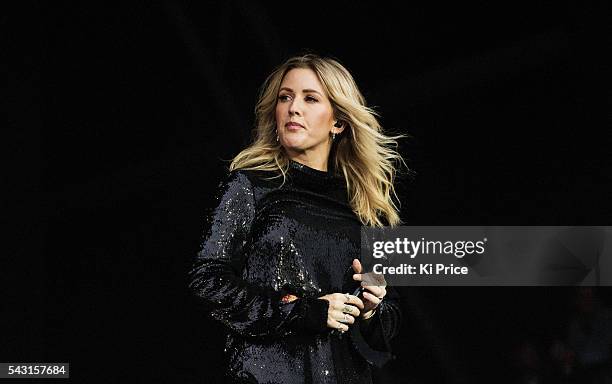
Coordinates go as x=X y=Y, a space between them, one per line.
x=295 y=107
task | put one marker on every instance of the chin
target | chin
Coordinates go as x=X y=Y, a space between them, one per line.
x=294 y=143
x=293 y=148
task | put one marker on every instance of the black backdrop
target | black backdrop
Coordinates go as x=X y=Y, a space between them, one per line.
x=123 y=116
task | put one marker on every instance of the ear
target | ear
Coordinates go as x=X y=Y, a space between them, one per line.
x=338 y=127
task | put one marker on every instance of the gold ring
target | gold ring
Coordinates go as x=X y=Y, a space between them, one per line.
x=346 y=309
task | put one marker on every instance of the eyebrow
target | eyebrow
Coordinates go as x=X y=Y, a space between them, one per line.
x=303 y=90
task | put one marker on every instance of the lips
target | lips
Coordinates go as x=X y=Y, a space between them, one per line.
x=293 y=125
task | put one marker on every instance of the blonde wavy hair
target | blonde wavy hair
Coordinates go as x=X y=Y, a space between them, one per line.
x=363 y=153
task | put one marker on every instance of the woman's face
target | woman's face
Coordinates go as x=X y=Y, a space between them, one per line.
x=304 y=116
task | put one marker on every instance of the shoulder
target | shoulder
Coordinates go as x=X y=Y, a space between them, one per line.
x=234 y=186
x=247 y=184
x=254 y=178
x=237 y=177
x=232 y=180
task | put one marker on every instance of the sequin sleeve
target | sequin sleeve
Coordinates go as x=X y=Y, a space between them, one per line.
x=385 y=323
x=215 y=279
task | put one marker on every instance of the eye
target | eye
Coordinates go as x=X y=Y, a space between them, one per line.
x=311 y=99
x=283 y=97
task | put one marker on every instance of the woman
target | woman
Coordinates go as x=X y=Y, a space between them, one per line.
x=280 y=261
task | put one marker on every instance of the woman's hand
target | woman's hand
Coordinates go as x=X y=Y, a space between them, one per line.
x=373 y=294
x=343 y=308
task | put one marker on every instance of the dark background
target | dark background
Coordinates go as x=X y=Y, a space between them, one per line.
x=121 y=119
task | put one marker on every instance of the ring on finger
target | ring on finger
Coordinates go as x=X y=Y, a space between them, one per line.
x=346 y=309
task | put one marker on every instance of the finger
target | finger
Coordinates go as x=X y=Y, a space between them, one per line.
x=371 y=278
x=371 y=298
x=346 y=308
x=334 y=324
x=373 y=289
x=350 y=309
x=368 y=280
x=357 y=277
x=376 y=290
x=354 y=300
x=357 y=266
x=344 y=318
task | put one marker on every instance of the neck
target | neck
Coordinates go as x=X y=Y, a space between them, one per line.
x=316 y=162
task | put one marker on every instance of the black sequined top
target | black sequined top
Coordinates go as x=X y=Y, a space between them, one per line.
x=266 y=240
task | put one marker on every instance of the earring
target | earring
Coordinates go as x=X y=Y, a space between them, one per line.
x=333 y=136
x=277 y=135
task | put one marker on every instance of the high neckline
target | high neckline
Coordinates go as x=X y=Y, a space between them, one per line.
x=311 y=171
